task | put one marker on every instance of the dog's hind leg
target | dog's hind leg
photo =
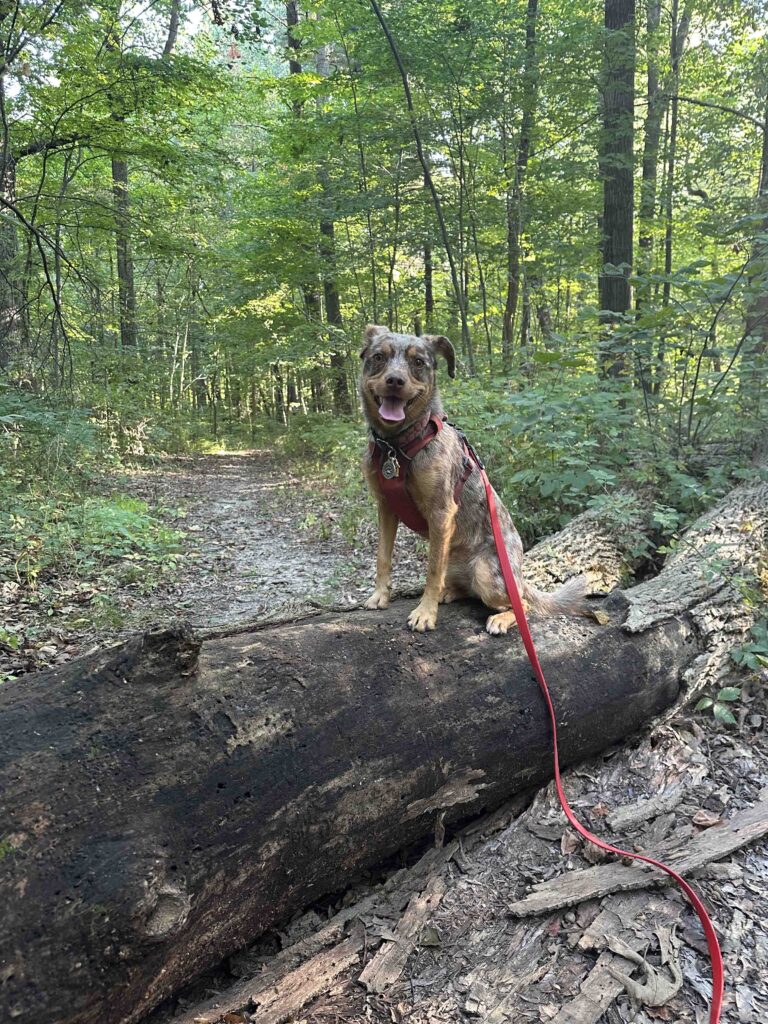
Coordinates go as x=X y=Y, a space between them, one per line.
x=488 y=585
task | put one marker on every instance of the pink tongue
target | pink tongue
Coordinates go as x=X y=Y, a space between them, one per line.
x=392 y=409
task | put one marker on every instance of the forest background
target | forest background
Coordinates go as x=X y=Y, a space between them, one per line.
x=201 y=206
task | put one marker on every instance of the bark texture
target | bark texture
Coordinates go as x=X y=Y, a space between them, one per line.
x=161 y=810
x=616 y=172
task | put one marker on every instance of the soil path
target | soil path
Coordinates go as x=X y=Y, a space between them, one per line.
x=257 y=539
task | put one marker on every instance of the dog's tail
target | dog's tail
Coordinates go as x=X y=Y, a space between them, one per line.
x=570 y=599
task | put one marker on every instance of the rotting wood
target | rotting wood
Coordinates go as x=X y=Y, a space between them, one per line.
x=298 y=987
x=389 y=962
x=618 y=919
x=625 y=819
x=599 y=543
x=296 y=959
x=715 y=560
x=713 y=844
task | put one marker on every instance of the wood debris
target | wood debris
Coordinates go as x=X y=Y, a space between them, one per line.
x=714 y=844
x=300 y=965
x=619 y=932
x=388 y=964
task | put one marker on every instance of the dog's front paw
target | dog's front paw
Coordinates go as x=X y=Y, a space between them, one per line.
x=422 y=618
x=378 y=599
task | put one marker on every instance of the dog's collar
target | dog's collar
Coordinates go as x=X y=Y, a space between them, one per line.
x=412 y=440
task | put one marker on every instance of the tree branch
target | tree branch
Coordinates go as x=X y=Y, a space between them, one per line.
x=722 y=107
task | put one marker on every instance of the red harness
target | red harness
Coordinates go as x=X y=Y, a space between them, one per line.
x=392 y=476
x=392 y=460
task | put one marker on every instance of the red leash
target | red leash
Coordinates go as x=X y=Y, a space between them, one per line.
x=517 y=605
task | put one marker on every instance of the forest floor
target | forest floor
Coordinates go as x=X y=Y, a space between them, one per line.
x=257 y=535
x=257 y=538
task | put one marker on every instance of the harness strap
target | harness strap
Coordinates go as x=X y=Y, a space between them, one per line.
x=394 y=489
x=517 y=605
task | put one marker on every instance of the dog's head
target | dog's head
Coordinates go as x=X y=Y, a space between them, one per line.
x=398 y=379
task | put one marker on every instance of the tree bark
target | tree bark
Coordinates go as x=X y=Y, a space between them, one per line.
x=616 y=172
x=756 y=326
x=651 y=140
x=678 y=36
x=11 y=287
x=515 y=195
x=126 y=288
x=163 y=802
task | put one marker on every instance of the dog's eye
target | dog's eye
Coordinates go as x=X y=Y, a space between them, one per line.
x=377 y=357
x=418 y=361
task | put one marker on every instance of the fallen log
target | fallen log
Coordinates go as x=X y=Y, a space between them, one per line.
x=164 y=803
x=162 y=806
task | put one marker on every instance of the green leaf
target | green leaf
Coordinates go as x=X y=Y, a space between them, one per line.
x=724 y=714
x=729 y=693
x=704 y=703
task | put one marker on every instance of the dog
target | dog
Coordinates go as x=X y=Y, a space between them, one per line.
x=398 y=388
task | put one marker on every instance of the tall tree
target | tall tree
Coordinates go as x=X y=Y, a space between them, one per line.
x=616 y=172
x=651 y=140
x=515 y=192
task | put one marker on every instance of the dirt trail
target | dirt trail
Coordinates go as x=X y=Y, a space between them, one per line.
x=256 y=539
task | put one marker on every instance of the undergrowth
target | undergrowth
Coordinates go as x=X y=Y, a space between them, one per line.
x=54 y=518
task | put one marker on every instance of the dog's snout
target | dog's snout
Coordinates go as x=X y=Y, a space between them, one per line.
x=395 y=381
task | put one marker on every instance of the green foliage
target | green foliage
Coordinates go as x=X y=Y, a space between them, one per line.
x=52 y=518
x=754 y=654
x=79 y=538
x=719 y=705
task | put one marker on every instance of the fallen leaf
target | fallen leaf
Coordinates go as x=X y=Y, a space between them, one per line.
x=430 y=937
x=706 y=819
x=659 y=986
x=593 y=854
x=569 y=842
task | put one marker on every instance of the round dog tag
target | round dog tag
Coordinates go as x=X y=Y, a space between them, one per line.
x=391 y=468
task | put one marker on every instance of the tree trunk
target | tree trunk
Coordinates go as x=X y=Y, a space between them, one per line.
x=163 y=803
x=429 y=295
x=678 y=35
x=342 y=403
x=466 y=337
x=757 y=312
x=651 y=139
x=173 y=29
x=11 y=290
x=616 y=172
x=126 y=288
x=514 y=200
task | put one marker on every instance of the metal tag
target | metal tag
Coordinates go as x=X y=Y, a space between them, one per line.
x=391 y=468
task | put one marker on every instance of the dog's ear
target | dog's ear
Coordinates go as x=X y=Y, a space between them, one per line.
x=371 y=331
x=443 y=347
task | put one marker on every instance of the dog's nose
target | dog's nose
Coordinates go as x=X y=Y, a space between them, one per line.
x=394 y=381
